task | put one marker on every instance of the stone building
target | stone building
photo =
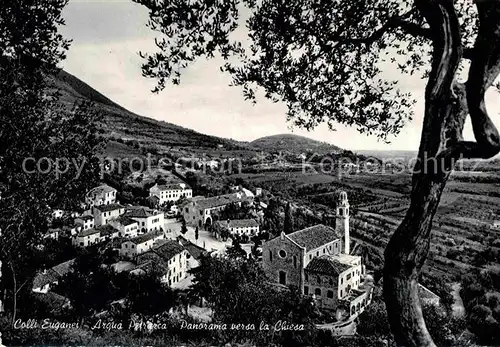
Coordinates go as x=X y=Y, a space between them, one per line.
x=317 y=261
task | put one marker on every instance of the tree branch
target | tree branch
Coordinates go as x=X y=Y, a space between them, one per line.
x=484 y=69
x=402 y=22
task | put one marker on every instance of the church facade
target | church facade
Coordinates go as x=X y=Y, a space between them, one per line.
x=317 y=260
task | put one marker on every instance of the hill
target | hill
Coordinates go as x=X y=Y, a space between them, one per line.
x=293 y=143
x=127 y=127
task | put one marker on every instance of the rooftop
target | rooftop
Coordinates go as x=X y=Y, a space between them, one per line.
x=313 y=237
x=196 y=251
x=172 y=186
x=106 y=230
x=102 y=189
x=109 y=207
x=169 y=249
x=42 y=279
x=218 y=201
x=85 y=217
x=141 y=212
x=63 y=268
x=144 y=238
x=327 y=265
x=125 y=220
x=88 y=232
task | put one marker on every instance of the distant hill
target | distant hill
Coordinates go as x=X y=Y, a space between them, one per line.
x=119 y=123
x=293 y=143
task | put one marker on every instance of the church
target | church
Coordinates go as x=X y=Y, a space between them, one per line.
x=318 y=261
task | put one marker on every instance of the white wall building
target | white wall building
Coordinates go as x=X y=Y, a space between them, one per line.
x=101 y=195
x=140 y=244
x=104 y=213
x=170 y=192
x=148 y=219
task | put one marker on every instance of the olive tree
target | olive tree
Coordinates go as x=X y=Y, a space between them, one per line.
x=324 y=59
x=40 y=139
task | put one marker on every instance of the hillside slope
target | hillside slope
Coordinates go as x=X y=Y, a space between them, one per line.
x=117 y=122
x=293 y=143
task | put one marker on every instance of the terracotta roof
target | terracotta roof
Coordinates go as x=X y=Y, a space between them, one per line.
x=109 y=207
x=313 y=237
x=63 y=268
x=106 y=230
x=103 y=188
x=149 y=261
x=144 y=238
x=85 y=217
x=88 y=232
x=141 y=212
x=218 y=201
x=169 y=249
x=196 y=251
x=327 y=266
x=124 y=220
x=42 y=279
x=171 y=186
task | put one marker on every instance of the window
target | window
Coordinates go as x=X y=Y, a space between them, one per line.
x=295 y=261
x=318 y=280
x=324 y=251
x=341 y=293
x=348 y=277
x=317 y=292
x=282 y=277
x=306 y=290
x=270 y=255
x=310 y=256
x=329 y=294
x=331 y=282
x=282 y=253
x=306 y=277
x=317 y=253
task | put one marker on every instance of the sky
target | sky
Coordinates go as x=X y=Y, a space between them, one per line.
x=107 y=36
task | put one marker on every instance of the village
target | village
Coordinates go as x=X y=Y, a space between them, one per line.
x=170 y=235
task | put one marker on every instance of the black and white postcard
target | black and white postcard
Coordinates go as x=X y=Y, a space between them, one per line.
x=250 y=173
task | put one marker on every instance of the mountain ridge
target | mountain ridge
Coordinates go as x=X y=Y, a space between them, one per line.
x=293 y=143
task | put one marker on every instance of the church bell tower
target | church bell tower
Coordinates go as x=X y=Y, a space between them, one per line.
x=342 y=221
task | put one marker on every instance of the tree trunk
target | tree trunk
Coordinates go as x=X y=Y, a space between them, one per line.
x=446 y=108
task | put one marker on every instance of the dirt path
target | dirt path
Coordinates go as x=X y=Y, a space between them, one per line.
x=458 y=305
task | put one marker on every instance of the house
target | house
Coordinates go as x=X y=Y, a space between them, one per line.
x=318 y=261
x=126 y=226
x=176 y=257
x=170 y=192
x=239 y=227
x=198 y=211
x=87 y=238
x=148 y=219
x=44 y=280
x=48 y=278
x=496 y=224
x=101 y=195
x=195 y=252
x=86 y=221
x=104 y=213
x=140 y=244
x=258 y=191
x=169 y=259
x=108 y=232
